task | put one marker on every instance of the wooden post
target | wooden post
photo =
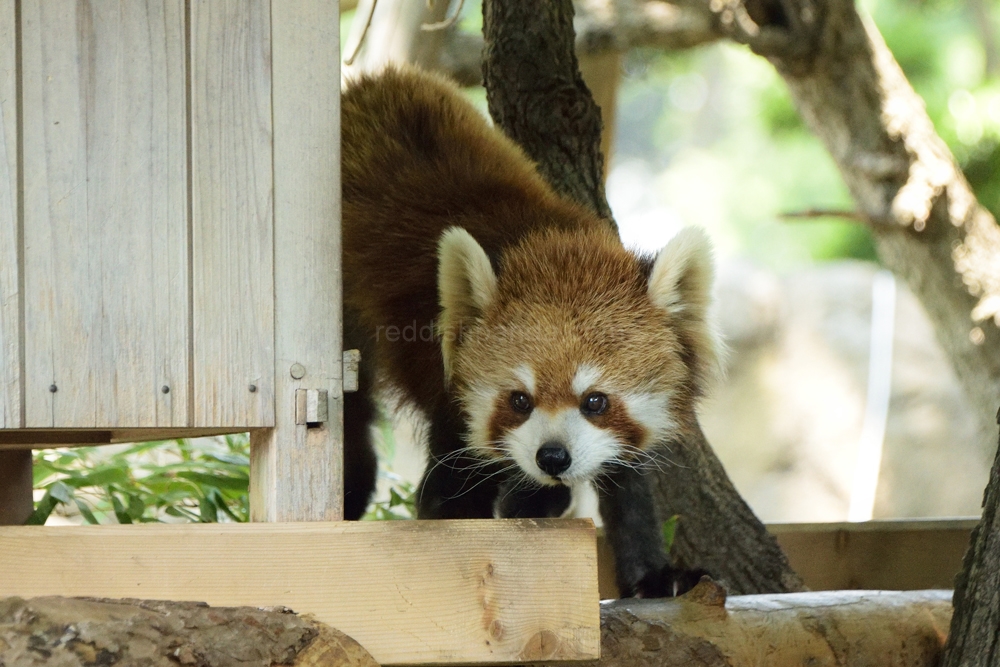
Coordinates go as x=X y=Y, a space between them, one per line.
x=296 y=469
x=16 y=503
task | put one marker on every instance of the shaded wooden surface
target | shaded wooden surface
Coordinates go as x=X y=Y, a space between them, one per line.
x=445 y=592
x=905 y=555
x=10 y=305
x=48 y=438
x=296 y=469
x=15 y=487
x=232 y=213
x=77 y=633
x=105 y=219
x=886 y=555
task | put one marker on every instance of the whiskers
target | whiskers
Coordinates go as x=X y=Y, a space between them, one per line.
x=473 y=469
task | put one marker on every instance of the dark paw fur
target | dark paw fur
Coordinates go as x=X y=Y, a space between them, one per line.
x=666 y=583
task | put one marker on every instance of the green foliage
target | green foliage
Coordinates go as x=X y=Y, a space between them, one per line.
x=670 y=532
x=204 y=480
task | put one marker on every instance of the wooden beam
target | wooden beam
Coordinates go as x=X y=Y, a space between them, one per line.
x=53 y=437
x=16 y=503
x=410 y=592
x=296 y=469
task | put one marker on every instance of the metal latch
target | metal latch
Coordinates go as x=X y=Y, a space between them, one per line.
x=312 y=406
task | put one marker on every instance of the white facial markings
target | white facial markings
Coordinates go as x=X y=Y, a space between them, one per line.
x=478 y=402
x=652 y=411
x=589 y=447
x=586 y=377
x=526 y=375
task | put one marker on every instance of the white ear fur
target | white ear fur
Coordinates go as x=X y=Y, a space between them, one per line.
x=681 y=278
x=466 y=286
x=681 y=284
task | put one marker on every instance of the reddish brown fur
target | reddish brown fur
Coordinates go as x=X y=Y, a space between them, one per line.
x=419 y=159
x=400 y=196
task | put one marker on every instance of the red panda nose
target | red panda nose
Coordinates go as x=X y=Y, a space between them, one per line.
x=553 y=458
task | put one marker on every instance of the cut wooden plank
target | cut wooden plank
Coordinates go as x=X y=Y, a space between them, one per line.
x=888 y=555
x=232 y=213
x=296 y=469
x=10 y=246
x=105 y=213
x=410 y=592
x=53 y=437
x=16 y=503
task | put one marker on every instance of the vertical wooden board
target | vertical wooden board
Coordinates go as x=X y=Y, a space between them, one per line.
x=10 y=302
x=298 y=470
x=232 y=213
x=105 y=213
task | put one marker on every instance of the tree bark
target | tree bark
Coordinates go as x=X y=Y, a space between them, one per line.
x=536 y=95
x=975 y=628
x=82 y=632
x=928 y=226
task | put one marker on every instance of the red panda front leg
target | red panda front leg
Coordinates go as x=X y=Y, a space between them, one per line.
x=456 y=484
x=642 y=567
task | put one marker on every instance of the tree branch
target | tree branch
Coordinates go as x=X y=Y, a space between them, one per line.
x=928 y=226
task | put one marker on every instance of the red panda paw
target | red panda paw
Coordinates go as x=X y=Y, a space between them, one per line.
x=667 y=583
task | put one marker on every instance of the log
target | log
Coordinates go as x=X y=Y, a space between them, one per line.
x=79 y=632
x=833 y=629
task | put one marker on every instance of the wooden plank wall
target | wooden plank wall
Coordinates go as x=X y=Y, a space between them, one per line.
x=148 y=216
x=10 y=304
x=105 y=225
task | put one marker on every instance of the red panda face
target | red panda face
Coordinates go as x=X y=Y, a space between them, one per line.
x=576 y=357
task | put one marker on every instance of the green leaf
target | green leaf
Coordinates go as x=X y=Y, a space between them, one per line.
x=670 y=531
x=42 y=510
x=86 y=513
x=208 y=510
x=120 y=513
x=217 y=481
x=61 y=492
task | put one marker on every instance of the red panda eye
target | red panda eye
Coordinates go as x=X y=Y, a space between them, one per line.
x=594 y=404
x=520 y=401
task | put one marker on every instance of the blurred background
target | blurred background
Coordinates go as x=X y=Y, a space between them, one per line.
x=838 y=402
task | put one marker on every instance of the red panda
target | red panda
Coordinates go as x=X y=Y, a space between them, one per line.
x=544 y=354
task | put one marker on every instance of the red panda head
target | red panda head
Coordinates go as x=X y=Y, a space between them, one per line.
x=576 y=355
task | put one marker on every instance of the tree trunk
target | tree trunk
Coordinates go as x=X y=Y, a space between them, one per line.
x=975 y=628
x=928 y=226
x=536 y=95
x=81 y=632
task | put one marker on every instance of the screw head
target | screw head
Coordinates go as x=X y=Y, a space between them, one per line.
x=298 y=371
x=53 y=388
x=165 y=389
x=253 y=388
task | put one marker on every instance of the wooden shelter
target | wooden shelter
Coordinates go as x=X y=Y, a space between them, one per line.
x=170 y=267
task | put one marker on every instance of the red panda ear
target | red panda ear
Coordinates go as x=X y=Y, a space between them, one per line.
x=466 y=286
x=681 y=284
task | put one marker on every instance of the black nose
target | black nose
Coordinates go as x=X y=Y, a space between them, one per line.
x=553 y=458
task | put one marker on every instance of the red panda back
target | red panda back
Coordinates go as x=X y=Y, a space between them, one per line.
x=417 y=159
